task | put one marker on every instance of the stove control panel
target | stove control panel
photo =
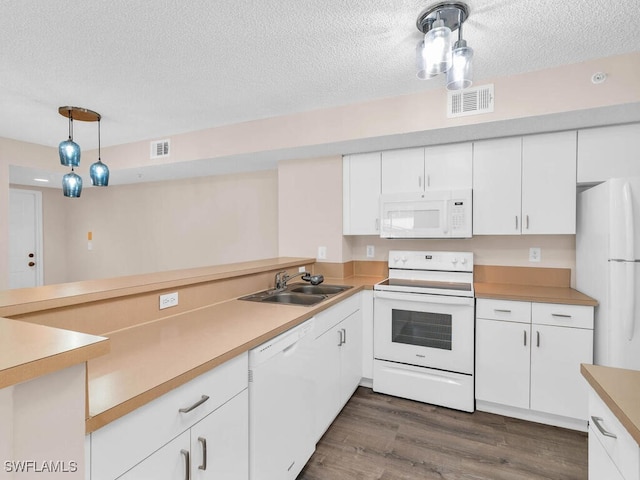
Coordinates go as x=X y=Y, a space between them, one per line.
x=429 y=260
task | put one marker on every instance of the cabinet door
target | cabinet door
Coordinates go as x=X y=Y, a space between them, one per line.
x=350 y=356
x=403 y=170
x=361 y=194
x=496 y=186
x=326 y=368
x=168 y=463
x=600 y=465
x=608 y=152
x=448 y=166
x=557 y=386
x=549 y=183
x=220 y=442
x=502 y=362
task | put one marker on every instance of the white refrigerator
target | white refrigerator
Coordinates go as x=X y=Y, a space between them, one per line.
x=608 y=267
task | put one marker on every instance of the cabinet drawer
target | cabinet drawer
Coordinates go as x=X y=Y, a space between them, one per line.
x=120 y=445
x=623 y=450
x=576 y=316
x=503 y=310
x=330 y=317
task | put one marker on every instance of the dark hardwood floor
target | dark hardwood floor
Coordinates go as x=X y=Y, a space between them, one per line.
x=387 y=438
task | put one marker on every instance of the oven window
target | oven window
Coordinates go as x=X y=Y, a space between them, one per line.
x=425 y=329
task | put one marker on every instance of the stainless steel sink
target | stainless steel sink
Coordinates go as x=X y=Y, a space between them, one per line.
x=319 y=289
x=297 y=294
x=294 y=298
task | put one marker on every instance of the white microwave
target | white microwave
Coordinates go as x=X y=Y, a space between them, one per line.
x=428 y=214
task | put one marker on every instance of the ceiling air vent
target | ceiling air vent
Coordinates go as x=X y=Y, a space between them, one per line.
x=470 y=101
x=160 y=148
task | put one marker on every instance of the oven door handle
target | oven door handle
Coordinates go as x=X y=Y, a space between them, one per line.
x=423 y=298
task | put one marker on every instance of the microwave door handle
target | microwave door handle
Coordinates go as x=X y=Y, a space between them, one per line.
x=445 y=223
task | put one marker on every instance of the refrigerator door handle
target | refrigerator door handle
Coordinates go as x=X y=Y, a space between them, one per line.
x=630 y=301
x=627 y=207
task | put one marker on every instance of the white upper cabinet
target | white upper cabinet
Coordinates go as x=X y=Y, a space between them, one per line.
x=549 y=183
x=525 y=185
x=608 y=152
x=361 y=194
x=497 y=173
x=438 y=167
x=403 y=170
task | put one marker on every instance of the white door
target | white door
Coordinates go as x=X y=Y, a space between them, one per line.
x=361 y=194
x=350 y=355
x=220 y=442
x=502 y=362
x=497 y=186
x=549 y=183
x=25 y=238
x=168 y=463
x=557 y=387
x=403 y=170
x=448 y=166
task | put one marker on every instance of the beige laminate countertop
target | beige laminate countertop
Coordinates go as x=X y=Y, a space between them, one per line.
x=28 y=351
x=25 y=300
x=532 y=293
x=149 y=360
x=620 y=391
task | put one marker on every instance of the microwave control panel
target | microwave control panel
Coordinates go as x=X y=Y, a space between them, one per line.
x=457 y=215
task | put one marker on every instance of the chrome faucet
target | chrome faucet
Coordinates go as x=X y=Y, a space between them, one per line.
x=283 y=277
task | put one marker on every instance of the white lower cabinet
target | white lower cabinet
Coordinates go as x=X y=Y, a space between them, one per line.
x=613 y=453
x=337 y=360
x=528 y=358
x=166 y=437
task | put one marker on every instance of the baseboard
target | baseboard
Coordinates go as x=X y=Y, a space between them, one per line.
x=533 y=416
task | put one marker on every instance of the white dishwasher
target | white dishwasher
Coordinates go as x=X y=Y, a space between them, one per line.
x=281 y=413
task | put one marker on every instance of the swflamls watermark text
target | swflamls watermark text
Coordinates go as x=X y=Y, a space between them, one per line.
x=40 y=466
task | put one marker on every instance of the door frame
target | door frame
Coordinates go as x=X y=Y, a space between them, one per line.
x=39 y=240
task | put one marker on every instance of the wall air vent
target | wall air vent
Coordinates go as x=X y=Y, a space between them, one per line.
x=160 y=148
x=470 y=101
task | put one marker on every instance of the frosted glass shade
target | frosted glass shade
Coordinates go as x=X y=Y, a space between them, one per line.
x=460 y=75
x=437 y=49
x=72 y=185
x=99 y=174
x=69 y=153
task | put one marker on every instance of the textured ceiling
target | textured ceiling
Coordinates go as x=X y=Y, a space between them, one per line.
x=156 y=68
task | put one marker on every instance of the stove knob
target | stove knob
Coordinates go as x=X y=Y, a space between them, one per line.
x=454 y=261
x=396 y=259
x=463 y=261
x=404 y=259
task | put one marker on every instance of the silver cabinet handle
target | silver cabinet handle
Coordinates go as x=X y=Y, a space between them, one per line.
x=499 y=310
x=561 y=315
x=419 y=181
x=195 y=405
x=344 y=335
x=377 y=224
x=537 y=338
x=428 y=180
x=203 y=442
x=527 y=217
x=525 y=338
x=516 y=222
x=339 y=338
x=187 y=464
x=597 y=421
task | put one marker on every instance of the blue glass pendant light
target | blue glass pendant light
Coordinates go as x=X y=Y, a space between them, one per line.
x=68 y=149
x=70 y=154
x=72 y=185
x=98 y=171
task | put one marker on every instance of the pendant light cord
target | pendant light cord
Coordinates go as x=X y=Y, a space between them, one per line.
x=99 y=140
x=70 y=126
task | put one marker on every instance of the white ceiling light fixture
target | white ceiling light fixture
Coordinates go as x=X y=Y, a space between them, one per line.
x=435 y=54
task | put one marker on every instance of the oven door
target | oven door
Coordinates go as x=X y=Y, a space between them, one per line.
x=426 y=330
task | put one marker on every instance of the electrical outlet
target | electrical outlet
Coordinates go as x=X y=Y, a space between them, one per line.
x=322 y=253
x=168 y=300
x=371 y=251
x=535 y=254
x=301 y=269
